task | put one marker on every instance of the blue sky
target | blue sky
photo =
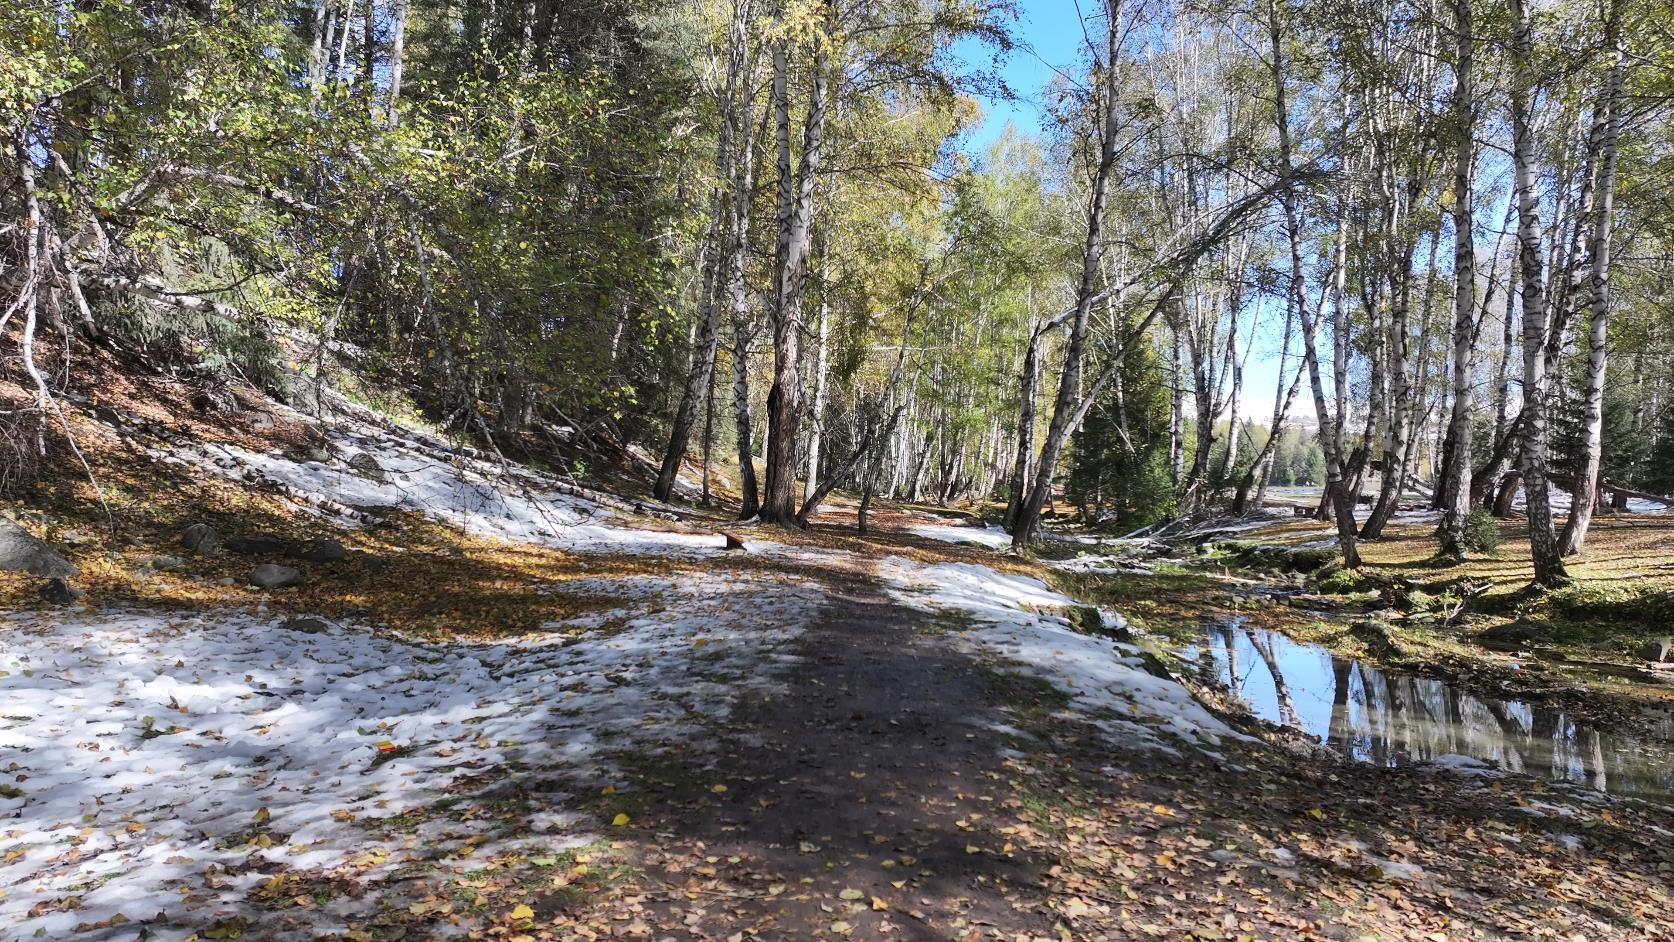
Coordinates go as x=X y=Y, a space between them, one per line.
x=1048 y=34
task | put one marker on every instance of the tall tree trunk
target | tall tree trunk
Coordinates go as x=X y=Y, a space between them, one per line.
x=795 y=218
x=1586 y=486
x=1456 y=473
x=1176 y=416
x=1543 y=545
x=1400 y=398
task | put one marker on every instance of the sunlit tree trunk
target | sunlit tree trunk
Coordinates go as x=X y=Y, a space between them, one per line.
x=1543 y=545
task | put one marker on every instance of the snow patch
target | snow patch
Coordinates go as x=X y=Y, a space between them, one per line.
x=150 y=751
x=986 y=535
x=1017 y=620
x=457 y=488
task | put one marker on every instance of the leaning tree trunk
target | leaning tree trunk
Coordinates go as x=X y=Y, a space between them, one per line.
x=1069 y=383
x=1586 y=487
x=1257 y=475
x=1543 y=544
x=1330 y=428
x=734 y=128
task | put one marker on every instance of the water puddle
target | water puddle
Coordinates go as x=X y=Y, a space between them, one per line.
x=1391 y=718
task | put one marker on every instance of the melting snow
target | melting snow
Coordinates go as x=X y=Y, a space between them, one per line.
x=483 y=497
x=1018 y=621
x=986 y=535
x=146 y=746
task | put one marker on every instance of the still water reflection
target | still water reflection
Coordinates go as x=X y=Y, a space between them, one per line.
x=1392 y=718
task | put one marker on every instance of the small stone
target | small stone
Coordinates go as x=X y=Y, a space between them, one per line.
x=319 y=454
x=307 y=625
x=201 y=538
x=320 y=551
x=59 y=592
x=273 y=576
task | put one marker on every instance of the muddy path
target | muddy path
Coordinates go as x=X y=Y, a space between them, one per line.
x=869 y=799
x=901 y=789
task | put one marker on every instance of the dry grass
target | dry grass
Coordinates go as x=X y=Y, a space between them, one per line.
x=1623 y=549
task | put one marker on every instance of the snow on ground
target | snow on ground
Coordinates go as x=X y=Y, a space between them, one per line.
x=1560 y=500
x=1017 y=619
x=173 y=763
x=474 y=494
x=986 y=535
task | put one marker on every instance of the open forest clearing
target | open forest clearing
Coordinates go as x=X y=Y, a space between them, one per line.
x=991 y=471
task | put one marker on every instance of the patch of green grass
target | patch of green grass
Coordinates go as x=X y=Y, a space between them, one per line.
x=1277 y=557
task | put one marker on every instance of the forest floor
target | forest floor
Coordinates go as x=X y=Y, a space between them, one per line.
x=521 y=715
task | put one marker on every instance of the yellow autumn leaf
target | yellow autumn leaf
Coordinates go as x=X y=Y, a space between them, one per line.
x=522 y=911
x=620 y=820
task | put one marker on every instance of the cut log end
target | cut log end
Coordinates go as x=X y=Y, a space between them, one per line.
x=733 y=542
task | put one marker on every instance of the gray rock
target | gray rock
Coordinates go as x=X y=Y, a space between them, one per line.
x=59 y=592
x=320 y=551
x=319 y=454
x=161 y=563
x=368 y=466
x=307 y=625
x=273 y=576
x=259 y=545
x=21 y=552
x=201 y=538
x=1658 y=650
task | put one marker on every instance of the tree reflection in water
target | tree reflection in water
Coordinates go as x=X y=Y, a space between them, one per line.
x=1392 y=718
